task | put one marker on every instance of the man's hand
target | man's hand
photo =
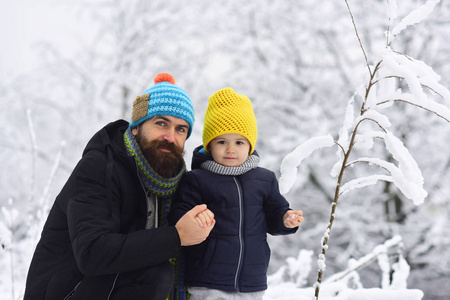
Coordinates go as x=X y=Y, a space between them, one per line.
x=188 y=226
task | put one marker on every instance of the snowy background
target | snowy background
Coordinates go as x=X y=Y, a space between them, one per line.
x=69 y=67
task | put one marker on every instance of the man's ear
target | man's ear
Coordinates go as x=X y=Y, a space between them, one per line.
x=134 y=131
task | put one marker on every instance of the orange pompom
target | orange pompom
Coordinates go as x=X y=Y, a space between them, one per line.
x=162 y=77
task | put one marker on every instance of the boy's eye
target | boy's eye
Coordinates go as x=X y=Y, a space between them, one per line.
x=221 y=142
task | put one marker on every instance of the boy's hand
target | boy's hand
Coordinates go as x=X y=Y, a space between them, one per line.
x=189 y=231
x=292 y=218
x=205 y=218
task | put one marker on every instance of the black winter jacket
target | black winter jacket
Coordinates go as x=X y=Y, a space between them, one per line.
x=236 y=254
x=95 y=227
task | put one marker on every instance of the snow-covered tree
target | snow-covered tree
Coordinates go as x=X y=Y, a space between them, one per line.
x=382 y=89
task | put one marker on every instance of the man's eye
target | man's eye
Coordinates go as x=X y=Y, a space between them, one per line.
x=160 y=123
x=181 y=129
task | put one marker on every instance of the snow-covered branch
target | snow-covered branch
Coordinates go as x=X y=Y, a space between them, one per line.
x=354 y=265
x=293 y=160
x=407 y=176
x=419 y=78
x=8 y=231
x=32 y=134
x=416 y=16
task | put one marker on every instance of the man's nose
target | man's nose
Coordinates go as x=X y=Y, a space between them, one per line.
x=169 y=135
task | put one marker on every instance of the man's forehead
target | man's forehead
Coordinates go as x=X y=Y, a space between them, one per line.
x=172 y=119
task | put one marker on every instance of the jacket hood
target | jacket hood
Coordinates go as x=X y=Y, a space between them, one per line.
x=111 y=135
x=199 y=156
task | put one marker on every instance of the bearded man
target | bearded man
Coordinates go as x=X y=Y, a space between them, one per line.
x=106 y=236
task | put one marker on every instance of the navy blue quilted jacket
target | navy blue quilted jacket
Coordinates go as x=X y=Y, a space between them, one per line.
x=236 y=254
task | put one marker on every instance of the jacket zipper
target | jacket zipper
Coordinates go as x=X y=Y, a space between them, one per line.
x=241 y=242
x=72 y=292
x=156 y=212
x=113 y=286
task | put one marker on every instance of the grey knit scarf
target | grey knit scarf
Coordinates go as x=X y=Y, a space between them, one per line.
x=250 y=163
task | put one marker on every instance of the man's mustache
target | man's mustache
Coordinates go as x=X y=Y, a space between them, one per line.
x=166 y=145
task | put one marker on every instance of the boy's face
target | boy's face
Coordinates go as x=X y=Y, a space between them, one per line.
x=230 y=149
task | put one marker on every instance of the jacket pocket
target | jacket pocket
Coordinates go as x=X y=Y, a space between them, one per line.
x=208 y=253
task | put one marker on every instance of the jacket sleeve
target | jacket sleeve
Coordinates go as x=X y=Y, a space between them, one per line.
x=188 y=195
x=98 y=244
x=275 y=207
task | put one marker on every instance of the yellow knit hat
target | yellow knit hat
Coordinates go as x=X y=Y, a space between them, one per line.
x=229 y=112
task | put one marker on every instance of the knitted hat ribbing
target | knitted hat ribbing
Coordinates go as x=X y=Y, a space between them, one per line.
x=229 y=112
x=164 y=98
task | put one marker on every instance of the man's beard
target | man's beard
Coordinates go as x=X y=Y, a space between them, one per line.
x=166 y=164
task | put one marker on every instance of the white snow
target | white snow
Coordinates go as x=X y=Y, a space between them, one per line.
x=391 y=10
x=416 y=16
x=417 y=75
x=375 y=116
x=407 y=176
x=363 y=182
x=366 y=140
x=411 y=189
x=406 y=162
x=293 y=160
x=336 y=287
x=348 y=123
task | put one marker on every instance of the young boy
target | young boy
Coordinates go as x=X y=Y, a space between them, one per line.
x=244 y=198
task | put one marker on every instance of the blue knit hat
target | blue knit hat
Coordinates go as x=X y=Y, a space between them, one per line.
x=164 y=98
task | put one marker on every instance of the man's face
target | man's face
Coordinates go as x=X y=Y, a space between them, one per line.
x=162 y=139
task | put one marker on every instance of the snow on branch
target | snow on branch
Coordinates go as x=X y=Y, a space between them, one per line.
x=407 y=176
x=354 y=265
x=407 y=164
x=414 y=17
x=365 y=140
x=394 y=274
x=5 y=232
x=293 y=160
x=362 y=182
x=348 y=123
x=376 y=117
x=411 y=189
x=32 y=133
x=9 y=225
x=47 y=190
x=295 y=270
x=418 y=76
